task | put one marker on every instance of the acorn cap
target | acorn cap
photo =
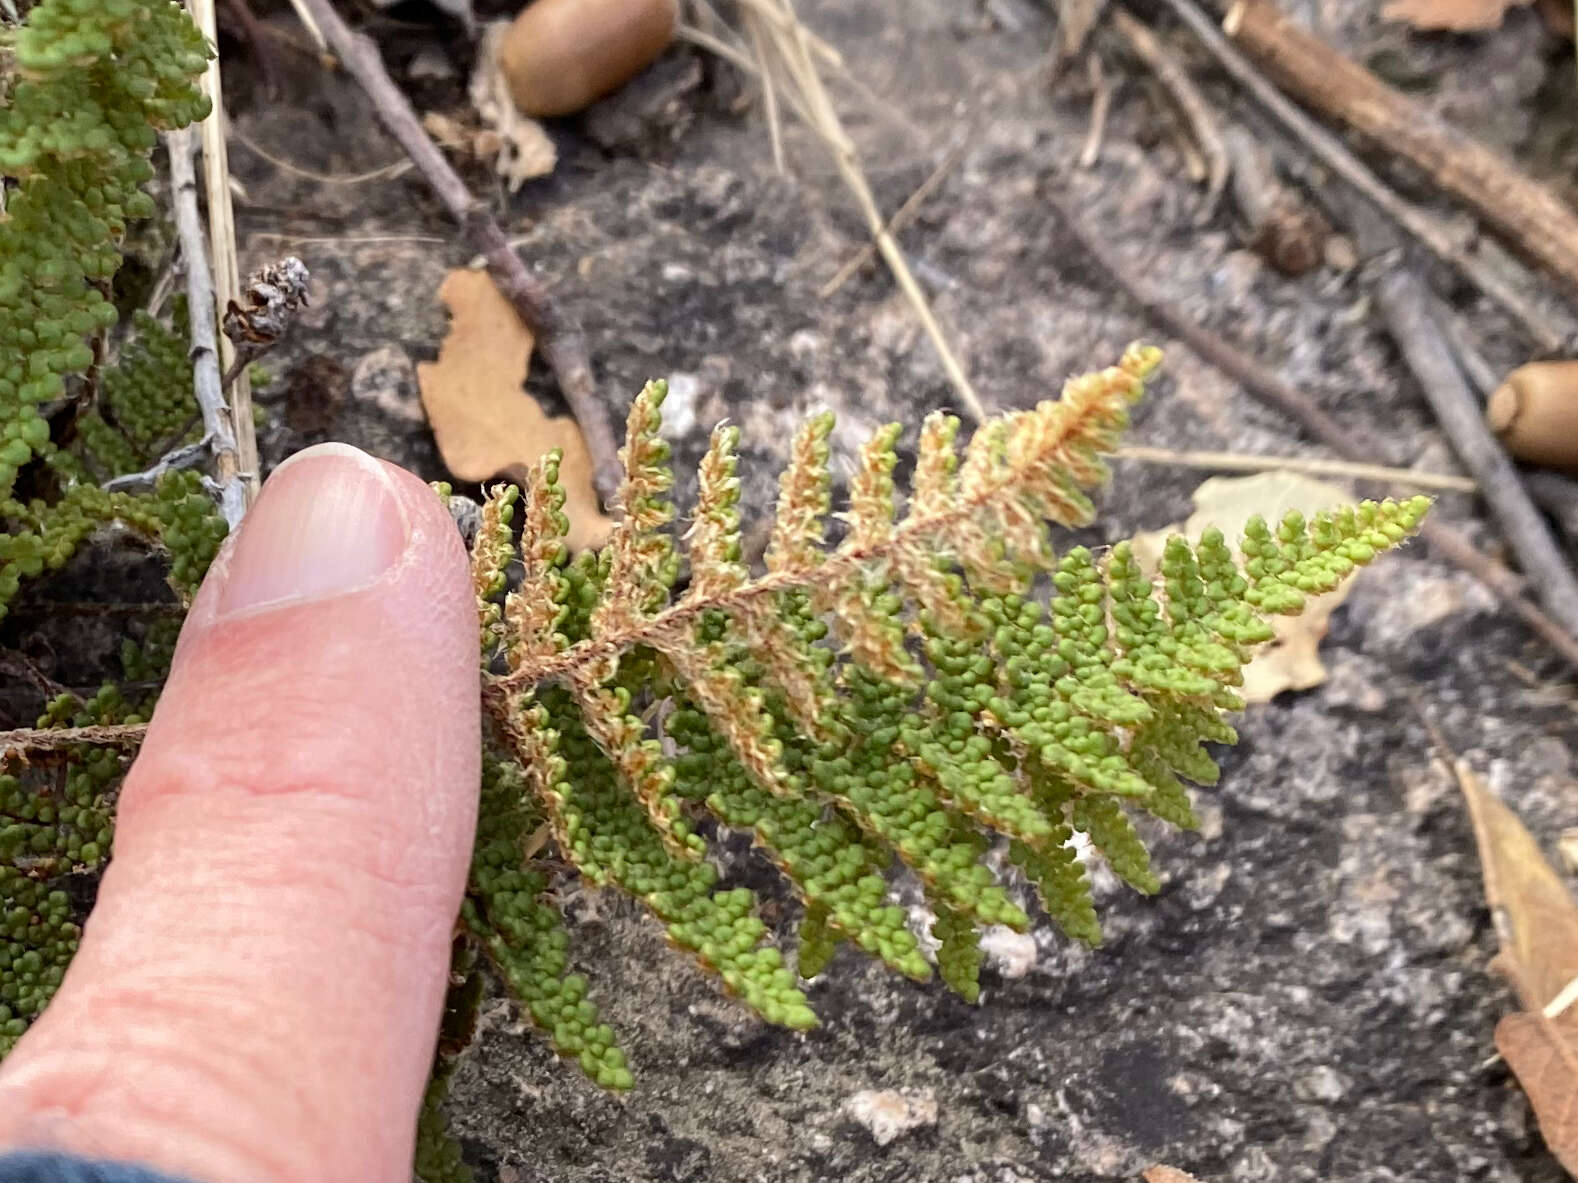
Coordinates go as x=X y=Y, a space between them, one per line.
x=560 y=56
x=1534 y=413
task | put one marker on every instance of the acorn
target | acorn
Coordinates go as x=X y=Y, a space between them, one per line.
x=560 y=56
x=1535 y=413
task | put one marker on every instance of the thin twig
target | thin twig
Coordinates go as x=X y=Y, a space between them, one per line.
x=559 y=337
x=304 y=13
x=1265 y=386
x=1239 y=462
x=222 y=248
x=1100 y=106
x=1202 y=124
x=186 y=456
x=217 y=429
x=384 y=173
x=17 y=744
x=1332 y=153
x=764 y=71
x=1404 y=305
x=906 y=214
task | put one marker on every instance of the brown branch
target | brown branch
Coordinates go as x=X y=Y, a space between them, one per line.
x=1527 y=212
x=1265 y=386
x=19 y=743
x=559 y=337
x=1405 y=304
x=1330 y=151
x=219 y=434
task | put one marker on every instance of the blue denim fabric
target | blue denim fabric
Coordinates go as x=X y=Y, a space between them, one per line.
x=66 y=1168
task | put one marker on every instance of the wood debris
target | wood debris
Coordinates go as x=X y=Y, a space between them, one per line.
x=1458 y=16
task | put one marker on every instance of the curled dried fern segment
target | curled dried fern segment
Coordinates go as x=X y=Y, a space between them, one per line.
x=901 y=698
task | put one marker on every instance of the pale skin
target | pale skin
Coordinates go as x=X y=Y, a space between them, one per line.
x=258 y=990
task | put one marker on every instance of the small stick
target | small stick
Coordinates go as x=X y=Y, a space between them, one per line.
x=1100 y=106
x=218 y=433
x=1176 y=80
x=186 y=456
x=1239 y=462
x=1332 y=153
x=222 y=248
x=905 y=215
x=1529 y=214
x=18 y=743
x=1405 y=306
x=304 y=14
x=1260 y=383
x=559 y=337
x=775 y=130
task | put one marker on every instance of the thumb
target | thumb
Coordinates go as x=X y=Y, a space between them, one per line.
x=258 y=989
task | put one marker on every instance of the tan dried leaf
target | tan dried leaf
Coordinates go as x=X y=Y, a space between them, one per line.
x=1165 y=1174
x=1537 y=928
x=1461 y=16
x=1292 y=661
x=485 y=423
x=523 y=147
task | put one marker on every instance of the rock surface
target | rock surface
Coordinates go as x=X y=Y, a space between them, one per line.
x=1306 y=998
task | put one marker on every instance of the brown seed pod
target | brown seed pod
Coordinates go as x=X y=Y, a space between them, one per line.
x=1535 y=413
x=562 y=55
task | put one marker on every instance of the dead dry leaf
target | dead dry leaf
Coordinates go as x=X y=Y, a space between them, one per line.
x=1460 y=16
x=1166 y=1174
x=485 y=423
x=524 y=149
x=1292 y=661
x=1537 y=928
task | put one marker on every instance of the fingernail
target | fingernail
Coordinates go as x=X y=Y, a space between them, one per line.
x=327 y=522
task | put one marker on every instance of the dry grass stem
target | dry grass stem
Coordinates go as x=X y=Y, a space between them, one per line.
x=311 y=25
x=383 y=173
x=222 y=247
x=1100 y=106
x=906 y=214
x=1241 y=462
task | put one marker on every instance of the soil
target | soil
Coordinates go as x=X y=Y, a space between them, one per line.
x=1307 y=997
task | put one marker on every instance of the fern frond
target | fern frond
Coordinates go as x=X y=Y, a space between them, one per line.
x=491 y=555
x=641 y=557
x=939 y=683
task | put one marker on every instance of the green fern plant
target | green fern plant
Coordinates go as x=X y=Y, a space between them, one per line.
x=903 y=698
x=94 y=82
